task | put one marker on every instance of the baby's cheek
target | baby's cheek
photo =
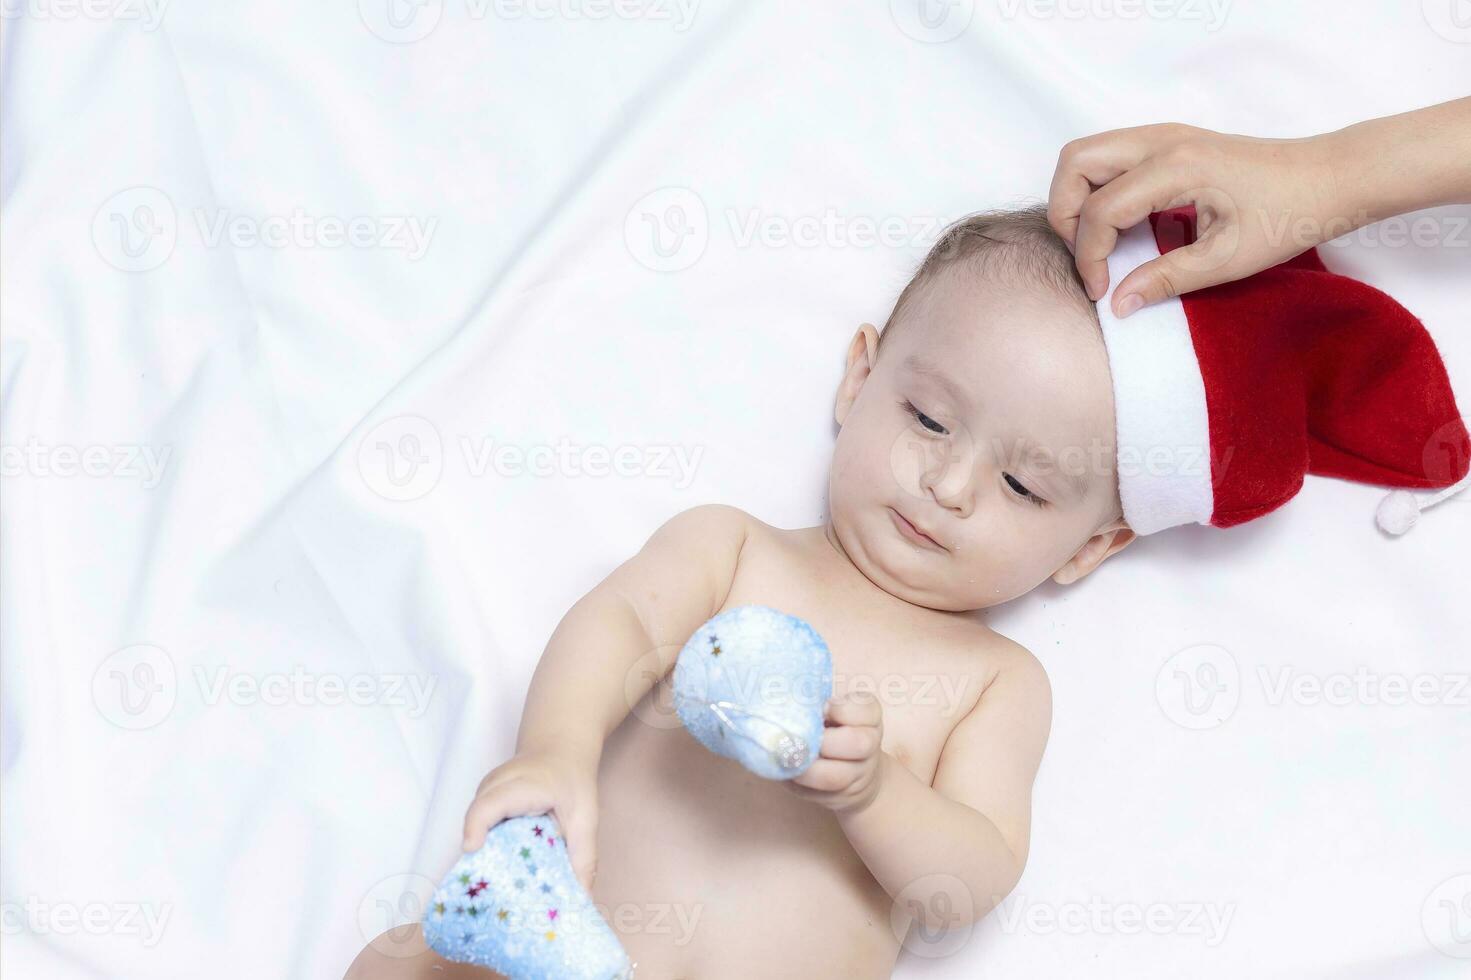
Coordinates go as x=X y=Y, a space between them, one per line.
x=994 y=571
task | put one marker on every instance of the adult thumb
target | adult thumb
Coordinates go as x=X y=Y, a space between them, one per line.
x=1204 y=262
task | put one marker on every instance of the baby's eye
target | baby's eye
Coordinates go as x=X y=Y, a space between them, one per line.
x=1022 y=491
x=924 y=419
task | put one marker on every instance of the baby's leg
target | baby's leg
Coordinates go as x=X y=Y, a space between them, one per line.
x=401 y=954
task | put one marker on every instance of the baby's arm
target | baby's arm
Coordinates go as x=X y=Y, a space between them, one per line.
x=608 y=651
x=617 y=641
x=952 y=851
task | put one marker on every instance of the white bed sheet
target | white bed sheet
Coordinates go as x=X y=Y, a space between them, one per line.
x=236 y=398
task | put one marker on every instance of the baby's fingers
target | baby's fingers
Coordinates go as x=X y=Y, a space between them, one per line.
x=581 y=836
x=855 y=708
x=850 y=742
x=829 y=775
x=492 y=806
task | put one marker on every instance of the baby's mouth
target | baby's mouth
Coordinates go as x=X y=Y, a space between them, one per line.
x=912 y=533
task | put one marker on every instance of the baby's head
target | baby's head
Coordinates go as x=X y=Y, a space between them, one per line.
x=983 y=415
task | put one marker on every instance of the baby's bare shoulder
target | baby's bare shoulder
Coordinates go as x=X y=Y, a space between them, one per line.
x=1008 y=669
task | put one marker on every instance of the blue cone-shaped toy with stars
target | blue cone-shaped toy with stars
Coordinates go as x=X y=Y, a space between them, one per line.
x=516 y=906
x=752 y=684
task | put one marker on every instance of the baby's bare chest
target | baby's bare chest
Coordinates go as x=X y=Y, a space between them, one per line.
x=926 y=669
x=732 y=865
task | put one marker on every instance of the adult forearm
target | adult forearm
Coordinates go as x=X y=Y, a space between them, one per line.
x=598 y=663
x=953 y=871
x=1402 y=163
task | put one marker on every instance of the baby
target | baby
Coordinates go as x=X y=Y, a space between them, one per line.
x=974 y=459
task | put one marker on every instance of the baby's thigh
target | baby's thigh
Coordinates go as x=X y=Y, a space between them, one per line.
x=401 y=954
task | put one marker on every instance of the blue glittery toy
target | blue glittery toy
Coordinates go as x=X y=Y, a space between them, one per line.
x=752 y=684
x=516 y=906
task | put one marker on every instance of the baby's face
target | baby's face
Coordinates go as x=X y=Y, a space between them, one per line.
x=987 y=423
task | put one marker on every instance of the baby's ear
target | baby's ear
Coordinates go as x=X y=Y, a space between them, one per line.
x=1104 y=543
x=862 y=352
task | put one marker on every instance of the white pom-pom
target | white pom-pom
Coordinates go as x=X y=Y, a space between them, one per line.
x=1398 y=512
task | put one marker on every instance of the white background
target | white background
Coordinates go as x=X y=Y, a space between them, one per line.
x=170 y=752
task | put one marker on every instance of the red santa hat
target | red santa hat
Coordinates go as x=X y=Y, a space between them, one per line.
x=1225 y=397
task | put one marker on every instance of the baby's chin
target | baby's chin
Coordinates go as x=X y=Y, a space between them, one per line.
x=918 y=574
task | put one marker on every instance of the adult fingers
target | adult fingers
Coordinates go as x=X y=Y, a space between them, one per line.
x=1090 y=162
x=1120 y=205
x=1206 y=262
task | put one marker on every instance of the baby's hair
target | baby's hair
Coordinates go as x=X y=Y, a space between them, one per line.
x=1017 y=243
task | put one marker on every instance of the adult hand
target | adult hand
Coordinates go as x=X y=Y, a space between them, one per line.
x=1258 y=202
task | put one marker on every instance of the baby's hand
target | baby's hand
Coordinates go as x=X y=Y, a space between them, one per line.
x=537 y=782
x=846 y=774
